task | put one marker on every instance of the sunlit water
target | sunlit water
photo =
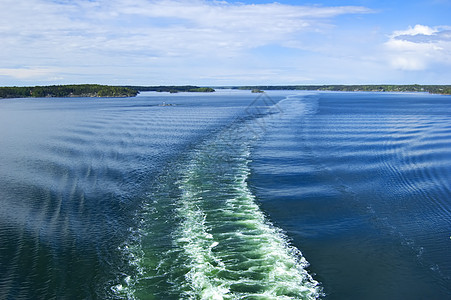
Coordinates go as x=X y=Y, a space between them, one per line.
x=231 y=195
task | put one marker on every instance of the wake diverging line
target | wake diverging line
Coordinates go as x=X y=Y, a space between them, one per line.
x=231 y=250
x=203 y=235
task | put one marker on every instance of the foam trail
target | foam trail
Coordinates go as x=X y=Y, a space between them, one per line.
x=204 y=236
x=231 y=250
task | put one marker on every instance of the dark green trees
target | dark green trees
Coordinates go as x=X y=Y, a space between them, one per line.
x=81 y=90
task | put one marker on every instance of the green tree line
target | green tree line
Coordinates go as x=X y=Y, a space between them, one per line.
x=80 y=90
x=433 y=89
x=173 y=88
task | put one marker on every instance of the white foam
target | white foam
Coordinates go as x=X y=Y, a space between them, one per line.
x=224 y=247
x=251 y=258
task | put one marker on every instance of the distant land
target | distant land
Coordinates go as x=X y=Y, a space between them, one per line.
x=92 y=90
x=173 y=89
x=96 y=90
x=80 y=90
x=433 y=89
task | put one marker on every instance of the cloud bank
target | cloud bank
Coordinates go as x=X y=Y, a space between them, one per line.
x=105 y=37
x=419 y=47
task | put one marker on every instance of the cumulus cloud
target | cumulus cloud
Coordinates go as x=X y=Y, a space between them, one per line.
x=419 y=47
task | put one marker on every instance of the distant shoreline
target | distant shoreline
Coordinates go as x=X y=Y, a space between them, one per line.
x=91 y=91
x=96 y=90
x=432 y=89
x=66 y=91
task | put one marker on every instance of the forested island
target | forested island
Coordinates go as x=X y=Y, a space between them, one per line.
x=79 y=90
x=433 y=89
x=92 y=90
x=173 y=89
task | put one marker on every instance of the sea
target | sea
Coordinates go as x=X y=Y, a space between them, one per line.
x=226 y=195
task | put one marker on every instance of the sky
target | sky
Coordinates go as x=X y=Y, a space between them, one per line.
x=221 y=43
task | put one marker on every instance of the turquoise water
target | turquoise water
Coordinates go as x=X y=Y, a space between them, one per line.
x=228 y=195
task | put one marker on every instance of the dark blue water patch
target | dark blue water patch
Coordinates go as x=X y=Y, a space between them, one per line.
x=387 y=104
x=361 y=186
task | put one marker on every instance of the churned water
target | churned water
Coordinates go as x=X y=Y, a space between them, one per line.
x=230 y=195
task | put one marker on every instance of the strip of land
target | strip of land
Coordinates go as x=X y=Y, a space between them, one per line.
x=80 y=90
x=92 y=90
x=432 y=89
x=96 y=90
x=173 y=89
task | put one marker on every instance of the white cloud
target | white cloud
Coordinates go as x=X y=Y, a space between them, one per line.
x=22 y=73
x=167 y=26
x=419 y=47
x=213 y=28
x=417 y=29
x=104 y=36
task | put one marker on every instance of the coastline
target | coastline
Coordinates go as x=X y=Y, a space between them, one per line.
x=431 y=89
x=106 y=91
x=92 y=91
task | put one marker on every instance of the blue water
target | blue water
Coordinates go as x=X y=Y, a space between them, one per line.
x=230 y=195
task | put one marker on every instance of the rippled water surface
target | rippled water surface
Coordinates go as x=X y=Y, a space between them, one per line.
x=361 y=183
x=229 y=195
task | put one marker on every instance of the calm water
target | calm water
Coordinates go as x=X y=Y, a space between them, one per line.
x=230 y=195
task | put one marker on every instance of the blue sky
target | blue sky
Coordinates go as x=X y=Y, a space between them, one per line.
x=201 y=42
